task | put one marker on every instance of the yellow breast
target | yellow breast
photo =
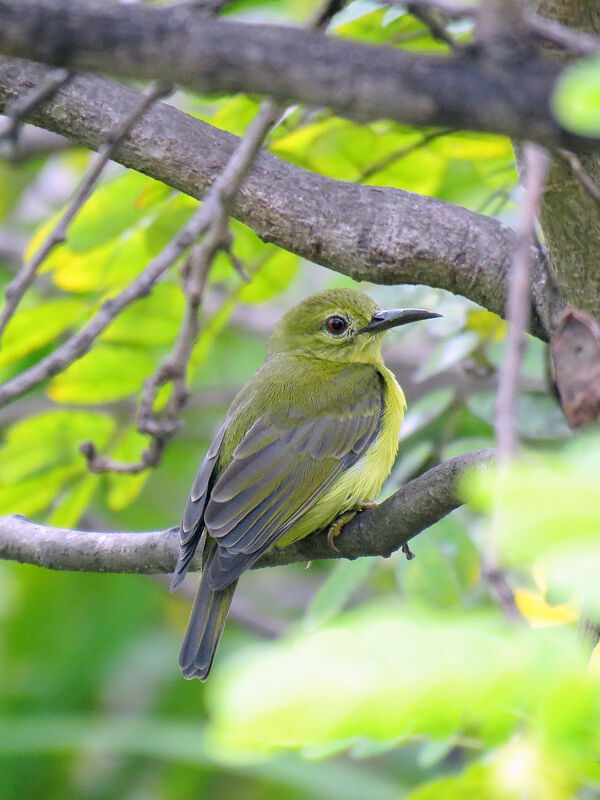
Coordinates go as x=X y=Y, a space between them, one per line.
x=363 y=481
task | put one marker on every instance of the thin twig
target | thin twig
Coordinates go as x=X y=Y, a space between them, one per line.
x=578 y=43
x=19 y=109
x=173 y=369
x=436 y=26
x=18 y=286
x=195 y=273
x=589 y=186
x=453 y=9
x=518 y=302
x=503 y=593
x=222 y=192
x=391 y=158
x=325 y=13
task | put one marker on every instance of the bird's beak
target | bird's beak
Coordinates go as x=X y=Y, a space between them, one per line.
x=382 y=320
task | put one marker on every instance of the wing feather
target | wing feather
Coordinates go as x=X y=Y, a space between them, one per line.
x=191 y=530
x=277 y=472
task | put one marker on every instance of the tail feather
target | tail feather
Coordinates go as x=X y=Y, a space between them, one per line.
x=204 y=629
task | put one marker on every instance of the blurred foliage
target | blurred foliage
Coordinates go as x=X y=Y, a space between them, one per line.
x=576 y=99
x=391 y=678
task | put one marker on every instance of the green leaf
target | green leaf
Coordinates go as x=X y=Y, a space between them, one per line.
x=576 y=97
x=124 y=489
x=32 y=495
x=399 y=674
x=446 y=566
x=107 y=373
x=336 y=590
x=154 y=320
x=33 y=328
x=72 y=505
x=271 y=278
x=409 y=464
x=109 y=212
x=47 y=440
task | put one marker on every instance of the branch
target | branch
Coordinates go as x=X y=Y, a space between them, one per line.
x=220 y=196
x=535 y=162
x=369 y=233
x=377 y=532
x=24 y=278
x=19 y=109
x=291 y=64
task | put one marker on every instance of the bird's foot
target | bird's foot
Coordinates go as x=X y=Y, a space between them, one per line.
x=336 y=526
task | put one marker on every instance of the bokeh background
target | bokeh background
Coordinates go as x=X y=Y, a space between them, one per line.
x=375 y=678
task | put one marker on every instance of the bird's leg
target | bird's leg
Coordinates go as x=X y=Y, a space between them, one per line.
x=336 y=526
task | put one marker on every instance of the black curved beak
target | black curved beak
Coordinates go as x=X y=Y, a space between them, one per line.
x=382 y=320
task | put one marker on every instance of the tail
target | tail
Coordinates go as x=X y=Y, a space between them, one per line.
x=205 y=628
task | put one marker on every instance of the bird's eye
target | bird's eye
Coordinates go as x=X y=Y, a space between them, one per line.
x=336 y=325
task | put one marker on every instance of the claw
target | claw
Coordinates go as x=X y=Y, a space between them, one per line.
x=336 y=526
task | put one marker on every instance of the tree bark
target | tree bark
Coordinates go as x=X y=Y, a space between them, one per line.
x=570 y=218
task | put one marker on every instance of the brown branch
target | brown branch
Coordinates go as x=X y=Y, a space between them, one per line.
x=221 y=194
x=17 y=111
x=173 y=369
x=370 y=233
x=23 y=279
x=518 y=303
x=290 y=64
x=34 y=142
x=436 y=26
x=573 y=41
x=376 y=532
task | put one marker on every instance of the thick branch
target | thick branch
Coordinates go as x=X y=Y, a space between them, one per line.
x=369 y=233
x=377 y=532
x=511 y=96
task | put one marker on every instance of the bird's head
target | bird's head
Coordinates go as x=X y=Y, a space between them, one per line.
x=339 y=325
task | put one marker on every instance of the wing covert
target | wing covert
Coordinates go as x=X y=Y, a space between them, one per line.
x=278 y=471
x=191 y=530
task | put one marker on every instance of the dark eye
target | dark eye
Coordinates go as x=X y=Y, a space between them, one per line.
x=336 y=325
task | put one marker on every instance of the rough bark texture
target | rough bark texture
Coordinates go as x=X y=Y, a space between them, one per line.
x=378 y=234
x=377 y=532
x=570 y=218
x=475 y=90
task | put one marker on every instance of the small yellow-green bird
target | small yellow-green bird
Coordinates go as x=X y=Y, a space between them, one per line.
x=310 y=437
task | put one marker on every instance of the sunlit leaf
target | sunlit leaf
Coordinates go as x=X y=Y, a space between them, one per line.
x=32 y=328
x=109 y=372
x=123 y=488
x=576 y=97
x=153 y=320
x=392 y=670
x=72 y=505
x=47 y=440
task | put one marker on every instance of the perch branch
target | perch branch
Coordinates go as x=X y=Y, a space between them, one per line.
x=376 y=532
x=370 y=233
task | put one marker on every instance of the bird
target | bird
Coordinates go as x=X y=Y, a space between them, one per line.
x=305 y=444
